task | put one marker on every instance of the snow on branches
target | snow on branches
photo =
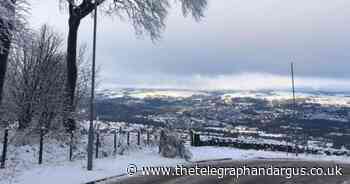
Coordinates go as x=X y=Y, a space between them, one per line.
x=12 y=20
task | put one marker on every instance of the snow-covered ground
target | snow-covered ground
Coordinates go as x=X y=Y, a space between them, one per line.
x=208 y=152
x=149 y=93
x=341 y=98
x=75 y=172
x=165 y=93
x=323 y=99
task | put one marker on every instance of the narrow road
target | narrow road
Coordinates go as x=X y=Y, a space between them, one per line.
x=344 y=179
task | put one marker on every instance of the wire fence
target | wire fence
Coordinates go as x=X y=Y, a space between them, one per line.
x=72 y=145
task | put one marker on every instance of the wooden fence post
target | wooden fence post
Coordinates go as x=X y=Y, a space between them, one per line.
x=4 y=149
x=128 y=138
x=97 y=144
x=191 y=137
x=71 y=146
x=138 y=138
x=115 y=141
x=41 y=145
x=148 y=137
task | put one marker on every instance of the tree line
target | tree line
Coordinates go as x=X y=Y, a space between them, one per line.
x=34 y=90
x=40 y=84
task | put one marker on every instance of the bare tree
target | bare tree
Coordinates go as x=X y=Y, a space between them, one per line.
x=36 y=81
x=35 y=76
x=146 y=16
x=51 y=76
x=11 y=24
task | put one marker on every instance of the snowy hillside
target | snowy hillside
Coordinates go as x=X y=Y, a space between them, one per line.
x=149 y=93
x=325 y=98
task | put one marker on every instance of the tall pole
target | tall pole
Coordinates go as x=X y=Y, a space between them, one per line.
x=292 y=72
x=92 y=109
x=294 y=108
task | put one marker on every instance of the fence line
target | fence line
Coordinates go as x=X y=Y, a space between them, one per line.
x=131 y=136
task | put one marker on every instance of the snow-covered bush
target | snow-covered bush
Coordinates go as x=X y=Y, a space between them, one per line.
x=171 y=146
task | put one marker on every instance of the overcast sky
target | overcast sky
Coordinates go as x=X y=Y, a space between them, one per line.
x=240 y=44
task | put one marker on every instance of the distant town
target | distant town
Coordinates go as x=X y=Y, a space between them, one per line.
x=319 y=121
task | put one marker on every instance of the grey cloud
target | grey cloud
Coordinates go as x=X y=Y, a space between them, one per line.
x=253 y=36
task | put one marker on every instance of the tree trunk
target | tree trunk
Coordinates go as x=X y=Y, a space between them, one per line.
x=5 y=41
x=25 y=118
x=74 y=23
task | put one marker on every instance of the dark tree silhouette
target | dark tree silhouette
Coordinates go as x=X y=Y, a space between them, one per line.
x=146 y=16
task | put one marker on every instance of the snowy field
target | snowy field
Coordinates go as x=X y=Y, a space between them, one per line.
x=340 y=99
x=150 y=93
x=208 y=152
x=75 y=172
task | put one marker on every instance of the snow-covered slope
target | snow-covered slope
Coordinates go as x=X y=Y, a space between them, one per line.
x=149 y=93
x=323 y=98
x=166 y=93
x=312 y=97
